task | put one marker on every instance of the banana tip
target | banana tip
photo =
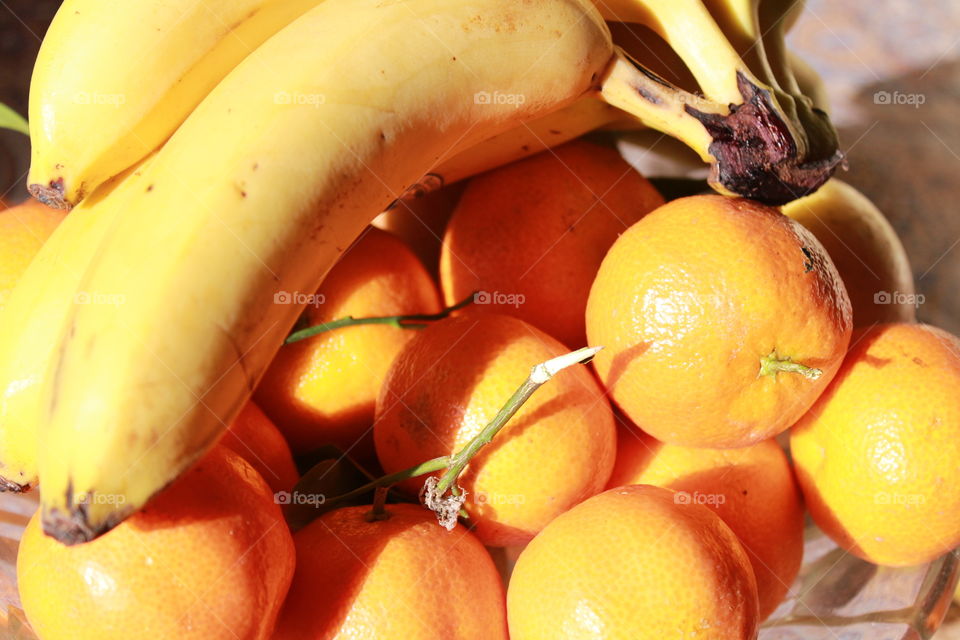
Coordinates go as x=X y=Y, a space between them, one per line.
x=9 y=486
x=75 y=525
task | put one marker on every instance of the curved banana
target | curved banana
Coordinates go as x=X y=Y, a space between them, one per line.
x=30 y=325
x=114 y=78
x=256 y=194
x=761 y=141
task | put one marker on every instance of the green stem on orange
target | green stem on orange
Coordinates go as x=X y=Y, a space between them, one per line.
x=448 y=508
x=412 y=321
x=430 y=466
x=539 y=375
x=772 y=364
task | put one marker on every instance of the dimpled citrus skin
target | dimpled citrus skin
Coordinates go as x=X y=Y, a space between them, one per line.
x=209 y=558
x=23 y=230
x=633 y=564
x=864 y=247
x=877 y=454
x=690 y=299
x=258 y=441
x=753 y=490
x=323 y=390
x=404 y=577
x=540 y=227
x=451 y=381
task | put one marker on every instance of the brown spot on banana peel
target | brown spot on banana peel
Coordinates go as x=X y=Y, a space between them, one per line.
x=756 y=155
x=51 y=194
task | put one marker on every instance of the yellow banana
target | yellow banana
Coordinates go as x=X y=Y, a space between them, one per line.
x=30 y=325
x=256 y=195
x=114 y=78
x=572 y=121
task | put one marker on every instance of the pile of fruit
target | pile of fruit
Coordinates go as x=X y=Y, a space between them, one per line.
x=534 y=399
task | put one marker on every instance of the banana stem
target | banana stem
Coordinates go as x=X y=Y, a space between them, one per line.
x=412 y=321
x=771 y=365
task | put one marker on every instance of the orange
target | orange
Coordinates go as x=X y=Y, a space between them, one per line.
x=866 y=250
x=633 y=563
x=403 y=577
x=531 y=235
x=704 y=307
x=877 y=454
x=420 y=222
x=752 y=490
x=323 y=390
x=258 y=441
x=209 y=558
x=451 y=381
x=23 y=230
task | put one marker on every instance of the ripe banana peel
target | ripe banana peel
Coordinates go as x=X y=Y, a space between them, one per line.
x=30 y=326
x=114 y=78
x=253 y=196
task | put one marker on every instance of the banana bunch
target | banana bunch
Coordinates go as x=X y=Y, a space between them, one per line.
x=148 y=318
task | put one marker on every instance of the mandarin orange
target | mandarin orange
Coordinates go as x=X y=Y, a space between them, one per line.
x=753 y=490
x=633 y=563
x=323 y=390
x=402 y=577
x=876 y=456
x=531 y=235
x=723 y=320
x=208 y=558
x=258 y=441
x=453 y=378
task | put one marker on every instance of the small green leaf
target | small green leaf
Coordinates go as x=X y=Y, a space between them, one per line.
x=10 y=119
